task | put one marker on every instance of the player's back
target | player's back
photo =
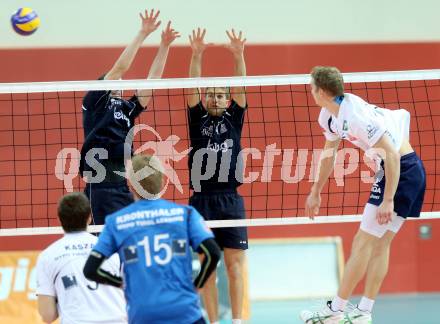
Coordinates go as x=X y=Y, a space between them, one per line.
x=363 y=123
x=60 y=274
x=396 y=121
x=153 y=238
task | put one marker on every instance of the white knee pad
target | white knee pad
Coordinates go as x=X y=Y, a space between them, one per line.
x=370 y=225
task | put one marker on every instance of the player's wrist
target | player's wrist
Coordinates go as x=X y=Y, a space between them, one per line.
x=197 y=55
x=315 y=191
x=165 y=44
x=145 y=33
x=238 y=56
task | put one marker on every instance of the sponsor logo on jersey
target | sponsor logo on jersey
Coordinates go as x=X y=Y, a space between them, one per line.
x=220 y=128
x=120 y=115
x=371 y=130
x=179 y=246
x=207 y=131
x=130 y=254
x=69 y=281
x=216 y=147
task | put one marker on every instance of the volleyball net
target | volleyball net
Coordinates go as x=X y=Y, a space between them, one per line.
x=41 y=136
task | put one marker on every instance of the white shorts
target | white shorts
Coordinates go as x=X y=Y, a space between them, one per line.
x=370 y=225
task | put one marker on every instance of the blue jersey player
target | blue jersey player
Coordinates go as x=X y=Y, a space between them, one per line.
x=153 y=239
x=107 y=119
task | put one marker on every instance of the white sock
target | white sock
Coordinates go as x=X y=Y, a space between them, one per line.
x=216 y=322
x=366 y=304
x=236 y=321
x=338 y=304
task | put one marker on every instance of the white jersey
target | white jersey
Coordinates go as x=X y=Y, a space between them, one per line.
x=60 y=274
x=364 y=124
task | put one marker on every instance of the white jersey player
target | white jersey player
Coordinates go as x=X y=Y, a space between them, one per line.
x=397 y=193
x=62 y=289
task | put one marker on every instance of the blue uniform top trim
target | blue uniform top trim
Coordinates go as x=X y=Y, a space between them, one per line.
x=338 y=99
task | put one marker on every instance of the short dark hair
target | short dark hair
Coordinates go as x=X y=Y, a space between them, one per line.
x=329 y=79
x=74 y=212
x=227 y=91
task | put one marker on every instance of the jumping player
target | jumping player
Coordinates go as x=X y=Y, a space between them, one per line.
x=107 y=119
x=397 y=193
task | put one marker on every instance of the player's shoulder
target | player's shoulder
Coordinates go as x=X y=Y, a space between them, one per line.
x=352 y=107
x=82 y=237
x=324 y=117
x=54 y=246
x=112 y=218
x=198 y=106
x=324 y=113
x=47 y=252
x=176 y=207
x=52 y=250
x=234 y=105
x=352 y=97
x=95 y=98
x=353 y=104
x=191 y=211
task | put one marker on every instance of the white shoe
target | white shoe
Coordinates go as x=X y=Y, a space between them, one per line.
x=323 y=316
x=357 y=316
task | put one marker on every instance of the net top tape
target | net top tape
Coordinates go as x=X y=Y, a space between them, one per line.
x=181 y=83
x=222 y=223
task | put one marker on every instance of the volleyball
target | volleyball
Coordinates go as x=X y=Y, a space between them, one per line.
x=25 y=21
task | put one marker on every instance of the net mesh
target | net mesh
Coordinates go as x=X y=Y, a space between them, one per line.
x=41 y=135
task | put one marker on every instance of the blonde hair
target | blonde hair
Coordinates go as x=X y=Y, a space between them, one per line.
x=329 y=79
x=146 y=171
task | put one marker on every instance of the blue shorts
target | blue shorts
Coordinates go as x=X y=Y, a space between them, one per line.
x=220 y=205
x=410 y=192
x=107 y=198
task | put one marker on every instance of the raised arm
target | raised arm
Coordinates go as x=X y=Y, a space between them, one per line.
x=325 y=168
x=158 y=65
x=149 y=25
x=198 y=46
x=236 y=46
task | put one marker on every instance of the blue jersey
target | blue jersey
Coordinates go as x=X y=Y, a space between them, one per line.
x=152 y=238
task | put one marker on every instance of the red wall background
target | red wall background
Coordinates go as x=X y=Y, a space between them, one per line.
x=88 y=63
x=414 y=262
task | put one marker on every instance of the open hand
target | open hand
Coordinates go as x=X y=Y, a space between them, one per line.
x=149 y=22
x=197 y=41
x=236 y=45
x=169 y=35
